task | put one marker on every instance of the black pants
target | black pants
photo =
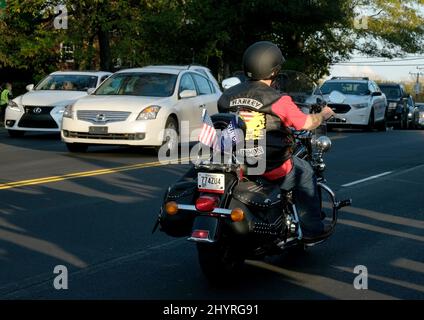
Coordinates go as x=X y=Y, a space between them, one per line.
x=2 y=113
x=304 y=183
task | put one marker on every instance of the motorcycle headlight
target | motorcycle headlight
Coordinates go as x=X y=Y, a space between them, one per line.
x=149 y=113
x=13 y=105
x=323 y=143
x=68 y=112
x=360 y=105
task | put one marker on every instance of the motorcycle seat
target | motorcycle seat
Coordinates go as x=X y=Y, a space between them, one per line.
x=258 y=192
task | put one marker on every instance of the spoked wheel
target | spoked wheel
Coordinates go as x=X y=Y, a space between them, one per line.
x=170 y=139
x=218 y=261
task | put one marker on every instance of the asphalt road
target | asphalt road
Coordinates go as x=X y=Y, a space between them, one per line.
x=98 y=224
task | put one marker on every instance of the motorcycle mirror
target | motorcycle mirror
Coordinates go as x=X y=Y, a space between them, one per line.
x=230 y=82
x=337 y=97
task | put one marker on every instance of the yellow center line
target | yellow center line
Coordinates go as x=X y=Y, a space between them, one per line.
x=83 y=174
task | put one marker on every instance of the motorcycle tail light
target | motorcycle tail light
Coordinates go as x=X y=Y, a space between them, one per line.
x=171 y=208
x=206 y=203
x=237 y=215
x=200 y=234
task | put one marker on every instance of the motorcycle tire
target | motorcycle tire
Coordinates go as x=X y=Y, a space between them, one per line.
x=218 y=261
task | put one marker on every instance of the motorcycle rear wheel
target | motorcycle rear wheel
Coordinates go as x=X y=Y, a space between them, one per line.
x=218 y=261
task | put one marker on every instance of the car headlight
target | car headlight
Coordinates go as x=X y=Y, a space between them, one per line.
x=421 y=114
x=149 y=113
x=13 y=105
x=68 y=112
x=360 y=105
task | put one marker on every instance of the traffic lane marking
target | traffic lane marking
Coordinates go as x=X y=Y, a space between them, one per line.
x=367 y=179
x=83 y=174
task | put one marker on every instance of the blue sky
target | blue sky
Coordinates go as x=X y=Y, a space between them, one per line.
x=397 y=69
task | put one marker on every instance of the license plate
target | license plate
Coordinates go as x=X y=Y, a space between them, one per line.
x=211 y=182
x=97 y=130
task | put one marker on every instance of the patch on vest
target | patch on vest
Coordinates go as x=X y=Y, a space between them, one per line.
x=248 y=102
x=255 y=124
x=251 y=152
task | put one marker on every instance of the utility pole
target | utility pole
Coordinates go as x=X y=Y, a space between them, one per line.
x=417 y=88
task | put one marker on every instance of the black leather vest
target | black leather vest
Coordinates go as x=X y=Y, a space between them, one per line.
x=253 y=101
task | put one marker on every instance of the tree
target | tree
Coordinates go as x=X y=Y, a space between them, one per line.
x=313 y=34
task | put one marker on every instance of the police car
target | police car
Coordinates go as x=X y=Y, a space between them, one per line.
x=364 y=106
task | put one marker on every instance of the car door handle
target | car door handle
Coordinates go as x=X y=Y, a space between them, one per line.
x=202 y=106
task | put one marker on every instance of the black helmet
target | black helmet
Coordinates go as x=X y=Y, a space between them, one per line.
x=262 y=60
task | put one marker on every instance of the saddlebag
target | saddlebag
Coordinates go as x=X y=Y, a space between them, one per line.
x=180 y=224
x=263 y=204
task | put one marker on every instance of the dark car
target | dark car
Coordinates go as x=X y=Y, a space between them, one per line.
x=397 y=104
x=411 y=108
x=418 y=116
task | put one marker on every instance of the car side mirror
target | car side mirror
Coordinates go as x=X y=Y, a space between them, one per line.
x=29 y=87
x=188 y=94
x=230 y=82
x=91 y=90
x=376 y=94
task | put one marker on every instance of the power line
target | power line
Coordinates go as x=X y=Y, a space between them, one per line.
x=383 y=61
x=377 y=65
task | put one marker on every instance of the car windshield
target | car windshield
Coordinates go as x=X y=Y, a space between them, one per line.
x=68 y=82
x=354 y=88
x=391 y=92
x=139 y=84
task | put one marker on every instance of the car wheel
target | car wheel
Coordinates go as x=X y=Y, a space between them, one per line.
x=371 y=122
x=402 y=122
x=171 y=136
x=16 y=133
x=382 y=125
x=77 y=147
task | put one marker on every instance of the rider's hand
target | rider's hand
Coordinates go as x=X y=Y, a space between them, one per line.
x=327 y=113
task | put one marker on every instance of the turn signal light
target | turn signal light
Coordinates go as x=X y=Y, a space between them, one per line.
x=237 y=215
x=171 y=208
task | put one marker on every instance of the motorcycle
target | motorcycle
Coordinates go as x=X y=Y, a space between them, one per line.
x=232 y=217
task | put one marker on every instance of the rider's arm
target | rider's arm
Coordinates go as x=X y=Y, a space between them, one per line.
x=291 y=116
x=313 y=121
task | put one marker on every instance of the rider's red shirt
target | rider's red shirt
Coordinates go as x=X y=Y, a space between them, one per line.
x=291 y=116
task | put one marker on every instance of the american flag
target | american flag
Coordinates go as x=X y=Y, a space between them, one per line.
x=208 y=136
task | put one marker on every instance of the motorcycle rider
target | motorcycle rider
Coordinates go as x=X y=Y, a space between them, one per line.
x=268 y=114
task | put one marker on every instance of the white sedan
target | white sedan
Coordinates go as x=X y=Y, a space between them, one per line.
x=136 y=106
x=42 y=107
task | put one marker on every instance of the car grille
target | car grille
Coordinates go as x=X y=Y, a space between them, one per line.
x=37 y=117
x=392 y=107
x=340 y=108
x=103 y=136
x=99 y=116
